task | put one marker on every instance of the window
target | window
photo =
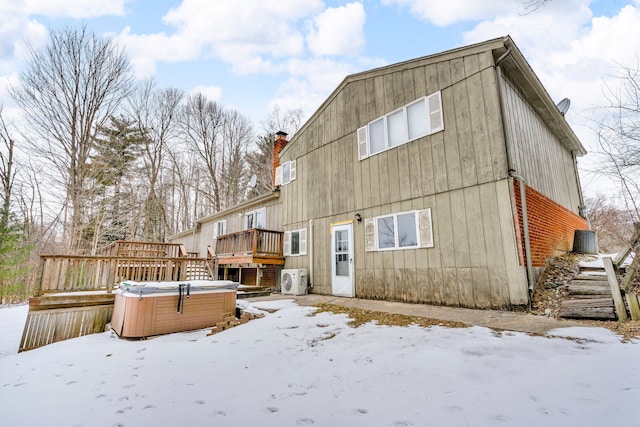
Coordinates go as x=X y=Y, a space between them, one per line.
x=295 y=242
x=399 y=231
x=219 y=228
x=255 y=219
x=414 y=120
x=286 y=172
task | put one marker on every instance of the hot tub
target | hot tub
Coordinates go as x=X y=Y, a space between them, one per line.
x=142 y=309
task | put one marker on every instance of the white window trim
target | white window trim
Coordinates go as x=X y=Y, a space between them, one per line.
x=280 y=175
x=424 y=231
x=364 y=147
x=302 y=233
x=255 y=216
x=216 y=226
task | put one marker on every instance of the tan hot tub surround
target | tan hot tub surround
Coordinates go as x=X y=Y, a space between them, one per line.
x=144 y=309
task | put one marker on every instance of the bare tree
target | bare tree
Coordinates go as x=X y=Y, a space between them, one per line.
x=613 y=225
x=619 y=136
x=155 y=112
x=202 y=124
x=7 y=171
x=69 y=88
x=237 y=136
x=260 y=156
x=533 y=5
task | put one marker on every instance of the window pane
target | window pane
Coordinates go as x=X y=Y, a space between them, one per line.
x=407 y=235
x=286 y=173
x=397 y=127
x=417 y=115
x=249 y=220
x=386 y=233
x=260 y=218
x=295 y=242
x=376 y=136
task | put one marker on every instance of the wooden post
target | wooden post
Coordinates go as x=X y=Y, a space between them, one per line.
x=634 y=305
x=622 y=255
x=621 y=311
x=631 y=273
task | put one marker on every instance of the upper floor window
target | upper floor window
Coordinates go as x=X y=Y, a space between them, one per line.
x=220 y=228
x=286 y=172
x=414 y=120
x=255 y=219
x=399 y=231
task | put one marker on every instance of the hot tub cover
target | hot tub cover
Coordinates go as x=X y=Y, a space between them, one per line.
x=145 y=288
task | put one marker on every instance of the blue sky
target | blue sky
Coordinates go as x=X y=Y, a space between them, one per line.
x=253 y=55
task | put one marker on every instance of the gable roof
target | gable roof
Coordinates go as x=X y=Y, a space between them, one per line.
x=505 y=54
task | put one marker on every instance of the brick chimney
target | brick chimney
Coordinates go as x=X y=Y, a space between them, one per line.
x=278 y=146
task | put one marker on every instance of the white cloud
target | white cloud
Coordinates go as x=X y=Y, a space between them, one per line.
x=212 y=93
x=574 y=54
x=239 y=32
x=569 y=49
x=338 y=31
x=448 y=12
x=145 y=50
x=312 y=81
x=74 y=8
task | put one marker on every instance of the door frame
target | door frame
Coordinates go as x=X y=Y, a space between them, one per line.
x=346 y=288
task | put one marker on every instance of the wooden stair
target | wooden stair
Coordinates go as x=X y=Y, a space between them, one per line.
x=589 y=297
x=247 y=291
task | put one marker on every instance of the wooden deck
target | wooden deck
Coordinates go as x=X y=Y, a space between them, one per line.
x=253 y=246
x=76 y=298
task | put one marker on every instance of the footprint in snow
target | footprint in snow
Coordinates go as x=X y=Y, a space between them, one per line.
x=141 y=350
x=149 y=407
x=362 y=411
x=123 y=410
x=403 y=423
x=129 y=386
x=220 y=413
x=272 y=409
x=305 y=421
x=71 y=382
x=140 y=358
x=200 y=402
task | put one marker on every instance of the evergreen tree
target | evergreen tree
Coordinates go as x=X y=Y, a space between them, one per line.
x=117 y=148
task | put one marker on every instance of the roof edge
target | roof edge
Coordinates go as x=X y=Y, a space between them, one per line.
x=571 y=140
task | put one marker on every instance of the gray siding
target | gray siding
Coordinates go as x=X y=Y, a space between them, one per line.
x=203 y=235
x=459 y=173
x=538 y=155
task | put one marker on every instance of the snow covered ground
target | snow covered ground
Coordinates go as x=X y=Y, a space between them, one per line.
x=293 y=368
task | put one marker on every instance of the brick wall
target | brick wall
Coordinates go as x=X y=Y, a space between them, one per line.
x=278 y=145
x=551 y=226
x=269 y=276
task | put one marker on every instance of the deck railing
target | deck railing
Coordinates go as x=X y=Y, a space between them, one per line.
x=253 y=242
x=65 y=273
x=134 y=249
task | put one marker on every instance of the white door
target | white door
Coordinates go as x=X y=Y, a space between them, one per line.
x=342 y=283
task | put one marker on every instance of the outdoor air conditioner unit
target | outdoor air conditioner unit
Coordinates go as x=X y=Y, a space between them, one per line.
x=294 y=281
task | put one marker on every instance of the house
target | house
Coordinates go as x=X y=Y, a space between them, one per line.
x=447 y=179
